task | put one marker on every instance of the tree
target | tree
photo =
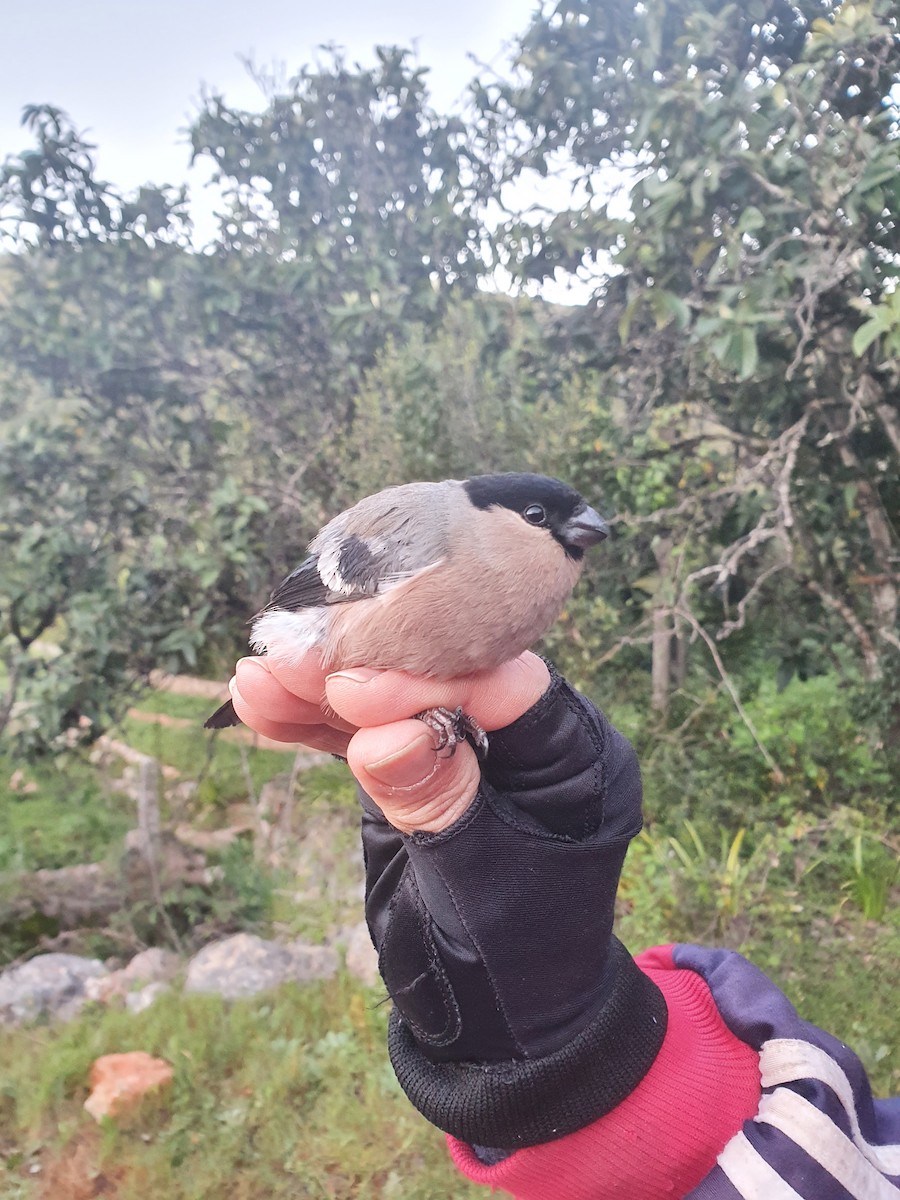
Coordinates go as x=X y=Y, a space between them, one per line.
x=351 y=180
x=346 y=226
x=751 y=288
x=175 y=419
x=120 y=531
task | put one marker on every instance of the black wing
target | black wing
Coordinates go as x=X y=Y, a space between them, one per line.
x=223 y=718
x=353 y=572
x=303 y=588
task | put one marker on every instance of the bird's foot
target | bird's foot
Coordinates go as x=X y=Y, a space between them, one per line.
x=452 y=727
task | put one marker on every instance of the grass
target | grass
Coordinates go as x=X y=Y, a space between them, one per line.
x=183 y=708
x=291 y=1097
x=844 y=978
x=57 y=814
x=214 y=763
x=781 y=905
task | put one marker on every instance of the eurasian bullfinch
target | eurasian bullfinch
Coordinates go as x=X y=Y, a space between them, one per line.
x=437 y=579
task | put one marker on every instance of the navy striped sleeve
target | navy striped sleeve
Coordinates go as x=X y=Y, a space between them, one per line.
x=818 y=1133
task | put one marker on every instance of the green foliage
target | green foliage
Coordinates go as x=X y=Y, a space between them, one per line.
x=465 y=394
x=711 y=887
x=354 y=175
x=709 y=767
x=875 y=871
x=117 y=533
x=747 y=326
x=58 y=813
x=827 y=756
x=55 y=198
x=286 y=1096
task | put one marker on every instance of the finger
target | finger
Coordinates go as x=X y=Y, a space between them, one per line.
x=493 y=698
x=416 y=786
x=319 y=736
x=269 y=698
x=304 y=677
x=273 y=701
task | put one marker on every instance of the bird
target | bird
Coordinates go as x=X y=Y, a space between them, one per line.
x=437 y=579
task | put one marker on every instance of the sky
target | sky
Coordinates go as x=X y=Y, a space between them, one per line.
x=131 y=71
x=130 y=74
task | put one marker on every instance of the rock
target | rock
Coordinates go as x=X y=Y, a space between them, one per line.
x=241 y=965
x=362 y=957
x=177 y=865
x=312 y=962
x=136 y=1002
x=244 y=965
x=70 y=897
x=150 y=966
x=119 y=1081
x=50 y=985
x=211 y=839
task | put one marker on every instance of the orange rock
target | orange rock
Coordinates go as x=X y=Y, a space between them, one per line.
x=120 y=1080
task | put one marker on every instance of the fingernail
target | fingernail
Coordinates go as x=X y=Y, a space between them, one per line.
x=253 y=661
x=356 y=675
x=415 y=763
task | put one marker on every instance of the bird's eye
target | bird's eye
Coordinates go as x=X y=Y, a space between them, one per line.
x=534 y=514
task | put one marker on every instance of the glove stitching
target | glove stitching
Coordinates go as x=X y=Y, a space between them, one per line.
x=590 y=721
x=408 y=987
x=436 y=969
x=454 y=1017
x=601 y=748
x=579 y=710
x=484 y=797
x=531 y=716
x=498 y=999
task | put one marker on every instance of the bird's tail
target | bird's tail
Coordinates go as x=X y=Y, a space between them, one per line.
x=223 y=718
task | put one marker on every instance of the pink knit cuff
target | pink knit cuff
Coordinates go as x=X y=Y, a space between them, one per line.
x=665 y=1136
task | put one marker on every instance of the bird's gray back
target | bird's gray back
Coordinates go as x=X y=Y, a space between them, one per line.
x=387 y=537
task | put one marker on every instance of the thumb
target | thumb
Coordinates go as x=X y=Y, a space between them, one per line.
x=417 y=787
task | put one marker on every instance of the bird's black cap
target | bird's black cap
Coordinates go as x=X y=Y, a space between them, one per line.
x=567 y=517
x=518 y=489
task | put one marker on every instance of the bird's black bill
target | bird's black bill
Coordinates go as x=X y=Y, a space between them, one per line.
x=584 y=528
x=223 y=718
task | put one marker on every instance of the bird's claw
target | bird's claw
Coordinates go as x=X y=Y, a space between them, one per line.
x=453 y=727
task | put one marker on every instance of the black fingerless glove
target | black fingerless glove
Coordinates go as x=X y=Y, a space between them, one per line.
x=518 y=1017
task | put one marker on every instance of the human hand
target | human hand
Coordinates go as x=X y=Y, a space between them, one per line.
x=366 y=716
x=494 y=931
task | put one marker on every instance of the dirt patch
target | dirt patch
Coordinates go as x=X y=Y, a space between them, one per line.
x=189 y=685
x=238 y=733
x=74 y=1173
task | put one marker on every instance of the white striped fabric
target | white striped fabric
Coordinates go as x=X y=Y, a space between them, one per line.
x=751 y=1175
x=815 y=1132
x=782 y=1060
x=851 y=1162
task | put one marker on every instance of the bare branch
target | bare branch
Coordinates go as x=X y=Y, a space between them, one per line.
x=890 y=423
x=620 y=645
x=688 y=616
x=869 y=653
x=740 y=620
x=13 y=666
